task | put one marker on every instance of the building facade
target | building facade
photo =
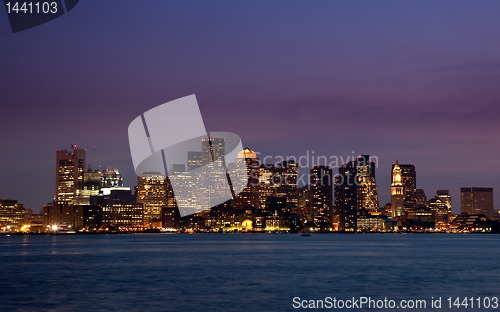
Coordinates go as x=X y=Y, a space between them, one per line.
x=356 y=192
x=122 y=215
x=152 y=193
x=397 y=192
x=11 y=215
x=477 y=200
x=321 y=190
x=409 y=183
x=70 y=167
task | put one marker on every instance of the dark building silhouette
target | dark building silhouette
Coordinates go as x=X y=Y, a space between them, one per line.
x=321 y=190
x=420 y=198
x=249 y=196
x=477 y=200
x=346 y=197
x=170 y=218
x=355 y=192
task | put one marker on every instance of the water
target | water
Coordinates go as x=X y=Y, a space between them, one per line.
x=242 y=272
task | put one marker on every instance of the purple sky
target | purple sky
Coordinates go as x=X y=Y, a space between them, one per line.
x=417 y=82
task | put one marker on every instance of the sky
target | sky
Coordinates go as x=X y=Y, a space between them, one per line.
x=413 y=81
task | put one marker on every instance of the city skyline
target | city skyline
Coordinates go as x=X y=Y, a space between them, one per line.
x=112 y=177
x=409 y=82
x=88 y=200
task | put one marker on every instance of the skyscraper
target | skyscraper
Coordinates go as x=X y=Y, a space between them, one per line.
x=212 y=149
x=407 y=176
x=279 y=180
x=367 y=194
x=91 y=187
x=152 y=192
x=397 y=193
x=346 y=203
x=213 y=177
x=185 y=191
x=355 y=192
x=194 y=160
x=321 y=188
x=288 y=187
x=477 y=200
x=70 y=166
x=250 y=194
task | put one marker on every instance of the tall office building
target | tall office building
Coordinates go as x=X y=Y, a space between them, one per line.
x=355 y=192
x=279 y=180
x=346 y=203
x=407 y=176
x=304 y=204
x=152 y=193
x=367 y=194
x=288 y=189
x=321 y=188
x=70 y=166
x=397 y=192
x=91 y=187
x=250 y=194
x=269 y=184
x=194 y=160
x=213 y=178
x=212 y=149
x=440 y=206
x=186 y=194
x=477 y=200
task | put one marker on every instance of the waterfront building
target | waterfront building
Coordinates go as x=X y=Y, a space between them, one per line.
x=321 y=190
x=477 y=200
x=70 y=166
x=152 y=193
x=406 y=177
x=12 y=215
x=122 y=216
x=397 y=192
x=355 y=192
x=69 y=217
x=212 y=150
x=248 y=163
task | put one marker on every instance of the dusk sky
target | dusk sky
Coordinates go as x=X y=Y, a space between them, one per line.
x=413 y=81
